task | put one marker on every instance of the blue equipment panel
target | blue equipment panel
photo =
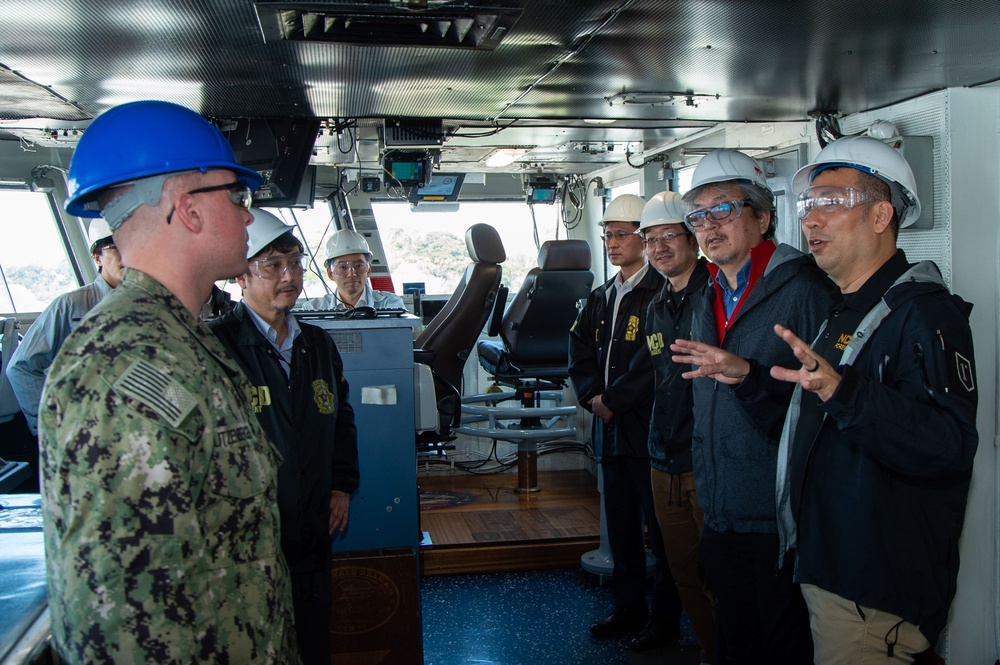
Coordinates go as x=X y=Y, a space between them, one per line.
x=378 y=366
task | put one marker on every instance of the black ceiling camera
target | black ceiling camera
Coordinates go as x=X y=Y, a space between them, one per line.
x=542 y=189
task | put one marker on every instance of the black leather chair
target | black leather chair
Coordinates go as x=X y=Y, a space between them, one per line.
x=532 y=357
x=534 y=332
x=447 y=341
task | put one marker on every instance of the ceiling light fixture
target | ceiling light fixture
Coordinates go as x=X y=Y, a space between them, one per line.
x=504 y=157
x=650 y=98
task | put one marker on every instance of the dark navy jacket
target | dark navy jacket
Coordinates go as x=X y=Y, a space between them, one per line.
x=311 y=423
x=630 y=391
x=879 y=491
x=736 y=430
x=673 y=409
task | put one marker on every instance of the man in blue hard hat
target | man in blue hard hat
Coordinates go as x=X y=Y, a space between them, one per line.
x=159 y=487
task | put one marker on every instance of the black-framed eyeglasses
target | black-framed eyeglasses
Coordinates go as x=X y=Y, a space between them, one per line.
x=666 y=238
x=617 y=235
x=722 y=212
x=239 y=194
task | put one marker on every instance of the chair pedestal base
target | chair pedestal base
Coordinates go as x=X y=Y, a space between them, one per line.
x=526 y=426
x=527 y=470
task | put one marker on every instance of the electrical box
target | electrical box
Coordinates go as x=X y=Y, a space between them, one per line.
x=411 y=133
x=370 y=184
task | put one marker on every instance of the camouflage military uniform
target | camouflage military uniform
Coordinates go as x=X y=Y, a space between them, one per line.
x=159 y=494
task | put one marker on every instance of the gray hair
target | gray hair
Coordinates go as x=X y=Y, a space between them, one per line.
x=760 y=198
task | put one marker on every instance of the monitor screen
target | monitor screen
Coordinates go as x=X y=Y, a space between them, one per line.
x=543 y=195
x=405 y=169
x=440 y=187
x=279 y=150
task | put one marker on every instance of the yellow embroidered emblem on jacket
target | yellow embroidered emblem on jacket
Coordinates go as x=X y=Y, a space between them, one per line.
x=325 y=400
x=261 y=397
x=655 y=343
x=633 y=329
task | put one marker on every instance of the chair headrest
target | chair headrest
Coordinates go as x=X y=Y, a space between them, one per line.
x=484 y=244
x=564 y=255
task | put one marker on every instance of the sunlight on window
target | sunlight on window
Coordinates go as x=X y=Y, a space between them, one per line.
x=684 y=177
x=429 y=247
x=34 y=268
x=626 y=188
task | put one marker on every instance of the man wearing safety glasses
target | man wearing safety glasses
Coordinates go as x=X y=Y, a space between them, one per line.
x=159 y=487
x=876 y=456
x=348 y=265
x=300 y=398
x=739 y=408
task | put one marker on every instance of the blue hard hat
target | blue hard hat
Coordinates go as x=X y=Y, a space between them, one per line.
x=143 y=139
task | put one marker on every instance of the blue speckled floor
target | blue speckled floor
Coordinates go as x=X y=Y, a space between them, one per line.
x=529 y=618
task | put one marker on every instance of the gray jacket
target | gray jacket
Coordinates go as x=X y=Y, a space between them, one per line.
x=30 y=363
x=736 y=431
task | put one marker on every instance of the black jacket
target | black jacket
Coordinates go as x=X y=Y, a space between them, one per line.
x=673 y=409
x=736 y=430
x=879 y=492
x=629 y=393
x=311 y=423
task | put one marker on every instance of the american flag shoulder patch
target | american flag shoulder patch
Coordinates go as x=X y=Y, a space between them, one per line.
x=156 y=390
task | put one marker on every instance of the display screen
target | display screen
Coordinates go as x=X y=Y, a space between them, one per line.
x=543 y=195
x=404 y=171
x=441 y=187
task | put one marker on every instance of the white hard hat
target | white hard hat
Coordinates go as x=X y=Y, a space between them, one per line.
x=625 y=208
x=724 y=165
x=265 y=229
x=873 y=156
x=97 y=231
x=663 y=208
x=344 y=242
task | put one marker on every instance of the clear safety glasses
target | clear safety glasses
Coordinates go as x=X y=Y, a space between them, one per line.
x=829 y=199
x=721 y=213
x=273 y=267
x=359 y=268
x=618 y=236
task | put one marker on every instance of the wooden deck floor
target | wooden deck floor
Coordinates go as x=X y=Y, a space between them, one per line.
x=503 y=530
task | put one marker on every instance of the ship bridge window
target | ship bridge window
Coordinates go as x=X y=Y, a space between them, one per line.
x=34 y=266
x=429 y=247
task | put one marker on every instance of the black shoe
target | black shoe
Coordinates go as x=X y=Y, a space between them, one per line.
x=656 y=634
x=619 y=623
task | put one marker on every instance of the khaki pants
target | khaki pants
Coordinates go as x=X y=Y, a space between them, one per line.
x=845 y=633
x=680 y=519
